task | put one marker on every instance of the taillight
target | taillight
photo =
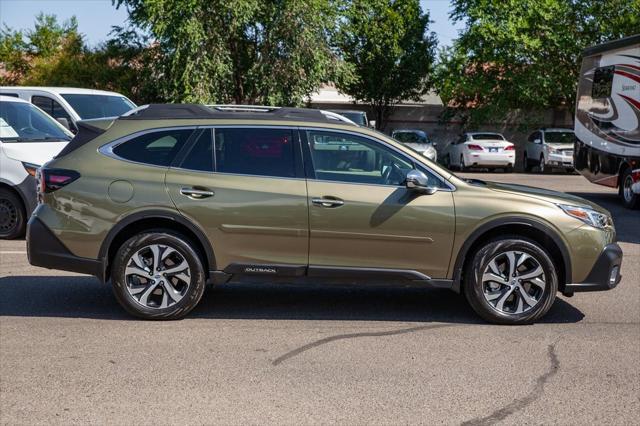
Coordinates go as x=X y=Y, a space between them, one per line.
x=53 y=179
x=510 y=148
x=32 y=169
x=473 y=147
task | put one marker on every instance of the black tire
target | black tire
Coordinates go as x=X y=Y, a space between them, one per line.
x=13 y=217
x=508 y=169
x=544 y=169
x=629 y=199
x=183 y=246
x=525 y=161
x=473 y=287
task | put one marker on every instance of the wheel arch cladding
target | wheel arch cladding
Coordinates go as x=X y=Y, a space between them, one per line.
x=528 y=228
x=148 y=220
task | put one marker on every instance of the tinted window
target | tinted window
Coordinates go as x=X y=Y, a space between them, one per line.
x=560 y=137
x=201 y=155
x=261 y=152
x=23 y=122
x=487 y=136
x=13 y=95
x=349 y=158
x=157 y=148
x=51 y=107
x=98 y=106
x=602 y=82
x=411 y=137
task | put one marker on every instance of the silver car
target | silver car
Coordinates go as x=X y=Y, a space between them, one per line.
x=418 y=141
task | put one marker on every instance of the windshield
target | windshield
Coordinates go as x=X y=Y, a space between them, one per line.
x=355 y=116
x=485 y=136
x=23 y=122
x=411 y=137
x=559 y=137
x=99 y=106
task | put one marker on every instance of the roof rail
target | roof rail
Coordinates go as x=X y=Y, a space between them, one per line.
x=248 y=112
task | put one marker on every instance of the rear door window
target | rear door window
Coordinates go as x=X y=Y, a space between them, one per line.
x=200 y=157
x=157 y=148
x=255 y=151
x=53 y=108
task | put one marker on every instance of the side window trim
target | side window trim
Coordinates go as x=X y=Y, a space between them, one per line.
x=310 y=173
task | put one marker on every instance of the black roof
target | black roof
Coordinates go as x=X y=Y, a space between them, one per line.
x=197 y=111
x=611 y=45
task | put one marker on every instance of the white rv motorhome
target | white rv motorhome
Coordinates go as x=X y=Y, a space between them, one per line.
x=607 y=122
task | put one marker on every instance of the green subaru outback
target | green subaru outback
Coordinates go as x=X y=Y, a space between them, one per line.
x=166 y=198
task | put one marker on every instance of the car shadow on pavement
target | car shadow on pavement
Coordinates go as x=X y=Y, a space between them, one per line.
x=85 y=297
x=625 y=220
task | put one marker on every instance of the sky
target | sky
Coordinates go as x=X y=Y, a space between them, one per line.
x=96 y=17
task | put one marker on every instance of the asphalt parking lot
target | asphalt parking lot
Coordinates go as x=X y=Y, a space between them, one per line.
x=266 y=354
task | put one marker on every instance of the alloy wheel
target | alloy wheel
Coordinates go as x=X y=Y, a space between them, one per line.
x=627 y=192
x=542 y=165
x=8 y=216
x=157 y=276
x=513 y=282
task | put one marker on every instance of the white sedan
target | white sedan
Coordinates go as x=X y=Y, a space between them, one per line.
x=480 y=150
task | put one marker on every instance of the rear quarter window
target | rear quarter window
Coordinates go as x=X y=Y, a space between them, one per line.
x=155 y=148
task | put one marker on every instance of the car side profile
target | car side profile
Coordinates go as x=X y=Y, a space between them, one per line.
x=548 y=149
x=28 y=139
x=168 y=197
x=480 y=150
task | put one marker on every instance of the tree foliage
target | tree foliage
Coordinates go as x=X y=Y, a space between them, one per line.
x=243 y=51
x=525 y=54
x=391 y=52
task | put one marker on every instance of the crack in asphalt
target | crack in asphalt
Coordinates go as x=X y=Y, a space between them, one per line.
x=330 y=339
x=521 y=403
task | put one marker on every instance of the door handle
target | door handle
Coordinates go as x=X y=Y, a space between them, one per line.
x=196 y=193
x=327 y=202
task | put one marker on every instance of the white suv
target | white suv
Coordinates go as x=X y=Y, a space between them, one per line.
x=548 y=149
x=28 y=139
x=69 y=105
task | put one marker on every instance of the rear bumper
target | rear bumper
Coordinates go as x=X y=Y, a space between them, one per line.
x=493 y=159
x=604 y=275
x=44 y=249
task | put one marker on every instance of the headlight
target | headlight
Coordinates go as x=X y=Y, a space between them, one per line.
x=588 y=216
x=552 y=150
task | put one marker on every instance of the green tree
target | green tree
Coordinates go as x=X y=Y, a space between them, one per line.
x=242 y=51
x=390 y=50
x=525 y=54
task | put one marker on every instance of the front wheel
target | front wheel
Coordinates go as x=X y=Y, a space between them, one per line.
x=510 y=280
x=543 y=165
x=630 y=199
x=12 y=215
x=158 y=275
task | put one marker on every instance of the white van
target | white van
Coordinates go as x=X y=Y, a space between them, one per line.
x=28 y=139
x=69 y=105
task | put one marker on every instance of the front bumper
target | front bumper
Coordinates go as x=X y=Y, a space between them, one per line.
x=44 y=249
x=559 y=160
x=604 y=275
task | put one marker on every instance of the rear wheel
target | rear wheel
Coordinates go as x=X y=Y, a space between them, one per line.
x=463 y=167
x=629 y=198
x=12 y=215
x=157 y=275
x=511 y=280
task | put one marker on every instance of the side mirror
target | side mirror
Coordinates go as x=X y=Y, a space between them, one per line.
x=419 y=182
x=372 y=124
x=537 y=141
x=64 y=122
x=434 y=144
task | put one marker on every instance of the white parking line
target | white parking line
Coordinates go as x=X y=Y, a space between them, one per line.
x=13 y=252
